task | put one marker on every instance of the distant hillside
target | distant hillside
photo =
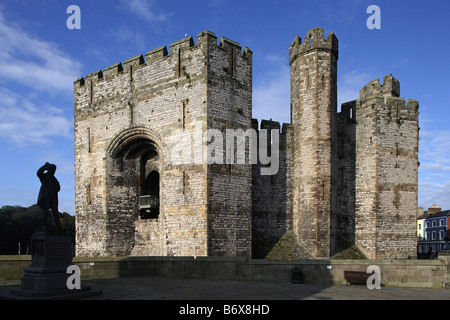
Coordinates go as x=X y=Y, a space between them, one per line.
x=17 y=224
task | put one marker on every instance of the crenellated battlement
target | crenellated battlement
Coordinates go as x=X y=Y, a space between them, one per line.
x=314 y=39
x=388 y=93
x=348 y=112
x=272 y=125
x=114 y=68
x=389 y=88
x=154 y=56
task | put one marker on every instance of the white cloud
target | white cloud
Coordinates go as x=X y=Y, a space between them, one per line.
x=434 y=169
x=40 y=68
x=271 y=91
x=350 y=84
x=435 y=145
x=24 y=123
x=144 y=10
x=400 y=64
x=32 y=62
x=133 y=38
x=434 y=193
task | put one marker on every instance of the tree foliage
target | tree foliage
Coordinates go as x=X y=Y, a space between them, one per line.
x=17 y=224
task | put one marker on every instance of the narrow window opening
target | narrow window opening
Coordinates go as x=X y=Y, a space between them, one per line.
x=323 y=190
x=341 y=146
x=91 y=94
x=89 y=139
x=131 y=114
x=88 y=194
x=232 y=63
x=121 y=164
x=179 y=62
x=184 y=114
x=149 y=201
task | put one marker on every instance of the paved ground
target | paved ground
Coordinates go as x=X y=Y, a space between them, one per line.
x=190 y=289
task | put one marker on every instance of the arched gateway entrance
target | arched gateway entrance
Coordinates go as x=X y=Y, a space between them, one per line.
x=136 y=154
x=134 y=167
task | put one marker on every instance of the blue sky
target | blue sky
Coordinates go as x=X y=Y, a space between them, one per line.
x=40 y=58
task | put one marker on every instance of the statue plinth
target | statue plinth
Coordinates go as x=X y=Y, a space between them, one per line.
x=46 y=277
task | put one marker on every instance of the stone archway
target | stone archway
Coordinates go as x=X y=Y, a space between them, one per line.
x=130 y=135
x=132 y=156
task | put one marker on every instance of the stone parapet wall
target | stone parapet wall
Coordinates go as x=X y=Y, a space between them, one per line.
x=394 y=273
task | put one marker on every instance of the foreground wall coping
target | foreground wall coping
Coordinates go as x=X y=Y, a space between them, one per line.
x=412 y=262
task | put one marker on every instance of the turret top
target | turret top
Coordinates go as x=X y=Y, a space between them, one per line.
x=314 y=40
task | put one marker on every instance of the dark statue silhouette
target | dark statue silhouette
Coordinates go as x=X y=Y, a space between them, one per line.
x=47 y=277
x=48 y=194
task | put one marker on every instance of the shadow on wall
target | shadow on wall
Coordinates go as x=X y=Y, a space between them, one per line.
x=213 y=271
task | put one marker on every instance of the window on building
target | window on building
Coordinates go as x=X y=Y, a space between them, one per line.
x=433 y=235
x=441 y=235
x=420 y=226
x=428 y=224
x=433 y=223
x=149 y=200
x=441 y=222
x=427 y=236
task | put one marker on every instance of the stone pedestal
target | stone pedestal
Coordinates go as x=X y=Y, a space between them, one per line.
x=46 y=277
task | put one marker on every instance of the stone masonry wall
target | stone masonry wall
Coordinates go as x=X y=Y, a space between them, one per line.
x=313 y=110
x=156 y=105
x=386 y=175
x=122 y=109
x=229 y=183
x=272 y=194
x=345 y=174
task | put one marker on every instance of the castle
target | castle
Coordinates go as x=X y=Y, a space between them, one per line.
x=340 y=175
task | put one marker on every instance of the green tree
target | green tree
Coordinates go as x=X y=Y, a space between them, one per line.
x=17 y=224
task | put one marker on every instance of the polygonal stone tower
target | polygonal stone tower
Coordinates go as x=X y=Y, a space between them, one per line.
x=387 y=141
x=313 y=65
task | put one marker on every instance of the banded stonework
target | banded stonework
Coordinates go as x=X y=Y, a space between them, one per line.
x=349 y=174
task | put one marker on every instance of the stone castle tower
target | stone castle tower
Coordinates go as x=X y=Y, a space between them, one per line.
x=313 y=109
x=350 y=175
